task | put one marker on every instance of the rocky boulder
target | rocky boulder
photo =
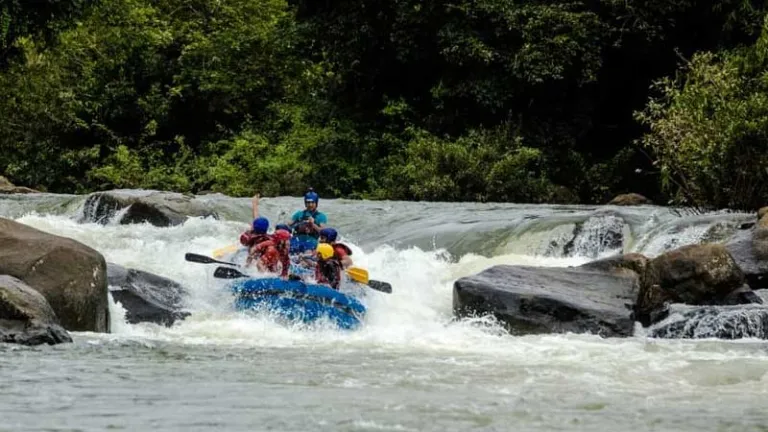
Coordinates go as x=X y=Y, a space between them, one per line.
x=26 y=317
x=6 y=187
x=154 y=207
x=629 y=199
x=70 y=275
x=552 y=300
x=693 y=275
x=743 y=251
x=146 y=297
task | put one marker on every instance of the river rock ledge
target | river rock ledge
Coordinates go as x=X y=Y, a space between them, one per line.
x=604 y=297
x=158 y=208
x=531 y=300
x=70 y=275
x=26 y=317
x=147 y=297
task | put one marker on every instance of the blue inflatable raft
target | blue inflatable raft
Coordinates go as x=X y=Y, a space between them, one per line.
x=298 y=301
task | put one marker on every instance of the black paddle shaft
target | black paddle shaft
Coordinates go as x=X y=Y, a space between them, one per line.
x=202 y=259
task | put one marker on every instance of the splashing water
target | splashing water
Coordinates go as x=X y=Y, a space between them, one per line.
x=412 y=366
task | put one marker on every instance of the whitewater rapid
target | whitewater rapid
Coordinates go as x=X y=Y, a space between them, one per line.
x=419 y=312
x=412 y=366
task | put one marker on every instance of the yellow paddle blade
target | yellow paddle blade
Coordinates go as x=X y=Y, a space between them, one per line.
x=220 y=252
x=358 y=274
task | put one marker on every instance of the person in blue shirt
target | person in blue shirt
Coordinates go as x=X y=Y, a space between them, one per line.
x=306 y=224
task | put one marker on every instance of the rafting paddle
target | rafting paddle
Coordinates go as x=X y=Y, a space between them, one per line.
x=202 y=259
x=228 y=273
x=361 y=275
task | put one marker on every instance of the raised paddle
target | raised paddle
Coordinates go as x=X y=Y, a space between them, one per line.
x=202 y=259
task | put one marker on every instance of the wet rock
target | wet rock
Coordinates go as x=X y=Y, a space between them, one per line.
x=630 y=199
x=743 y=251
x=551 y=300
x=693 y=275
x=26 y=317
x=154 y=207
x=70 y=275
x=146 y=297
x=722 y=322
x=6 y=187
x=634 y=262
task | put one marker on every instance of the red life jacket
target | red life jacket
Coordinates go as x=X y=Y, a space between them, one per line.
x=267 y=253
x=250 y=238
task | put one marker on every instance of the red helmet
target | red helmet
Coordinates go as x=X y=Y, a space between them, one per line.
x=281 y=235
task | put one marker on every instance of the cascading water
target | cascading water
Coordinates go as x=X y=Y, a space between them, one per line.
x=412 y=366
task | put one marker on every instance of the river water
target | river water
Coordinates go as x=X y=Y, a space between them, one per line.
x=412 y=367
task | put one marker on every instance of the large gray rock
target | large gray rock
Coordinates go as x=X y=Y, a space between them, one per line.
x=69 y=274
x=693 y=275
x=26 y=317
x=551 y=300
x=146 y=297
x=741 y=249
x=157 y=208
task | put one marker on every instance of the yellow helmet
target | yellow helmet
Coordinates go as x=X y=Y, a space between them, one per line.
x=325 y=250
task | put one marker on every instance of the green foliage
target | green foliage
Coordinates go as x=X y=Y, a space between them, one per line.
x=709 y=129
x=481 y=166
x=486 y=100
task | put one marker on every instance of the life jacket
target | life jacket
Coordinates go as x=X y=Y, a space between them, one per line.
x=267 y=253
x=250 y=238
x=304 y=228
x=329 y=272
x=284 y=258
x=340 y=250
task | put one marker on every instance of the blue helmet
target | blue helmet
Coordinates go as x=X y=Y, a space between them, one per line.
x=329 y=233
x=311 y=196
x=260 y=225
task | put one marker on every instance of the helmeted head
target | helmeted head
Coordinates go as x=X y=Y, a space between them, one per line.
x=328 y=235
x=310 y=199
x=260 y=225
x=281 y=235
x=325 y=251
x=283 y=227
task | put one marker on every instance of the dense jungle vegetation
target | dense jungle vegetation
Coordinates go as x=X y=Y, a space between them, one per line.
x=483 y=100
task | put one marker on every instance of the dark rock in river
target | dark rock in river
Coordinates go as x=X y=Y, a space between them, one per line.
x=157 y=208
x=70 y=275
x=26 y=317
x=146 y=297
x=693 y=275
x=551 y=300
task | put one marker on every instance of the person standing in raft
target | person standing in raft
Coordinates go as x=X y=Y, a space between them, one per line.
x=341 y=251
x=329 y=269
x=306 y=224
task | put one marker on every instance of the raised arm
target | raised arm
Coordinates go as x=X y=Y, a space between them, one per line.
x=255 y=205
